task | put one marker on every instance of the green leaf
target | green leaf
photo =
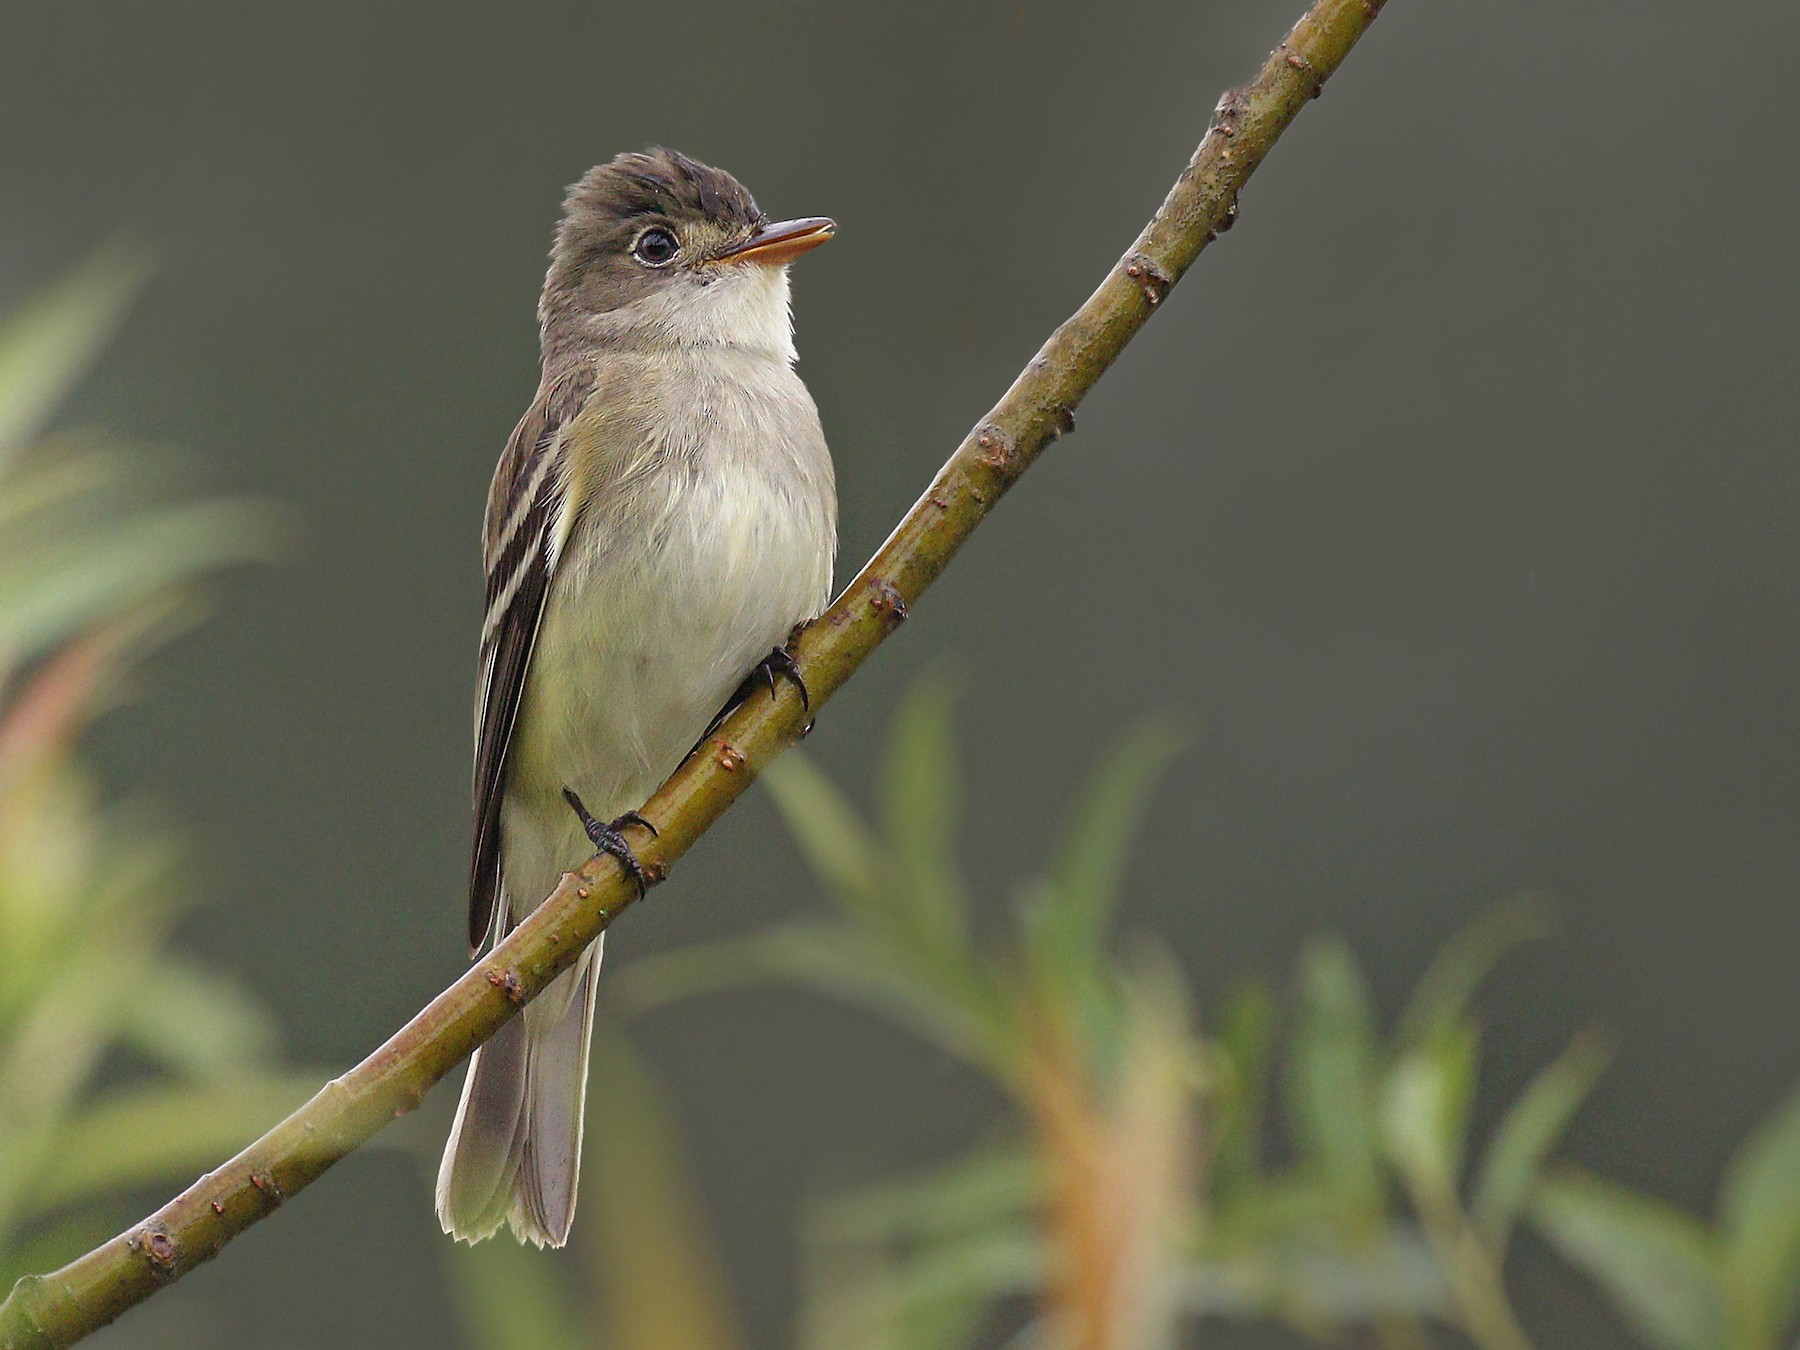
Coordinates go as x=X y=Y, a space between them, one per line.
x=1089 y=867
x=1759 y=1222
x=1442 y=996
x=1245 y=1037
x=511 y=1299
x=841 y=960
x=48 y=1057
x=1658 y=1265
x=840 y=848
x=983 y=1191
x=1331 y=1081
x=984 y=1265
x=51 y=491
x=50 y=341
x=197 y=1023
x=146 y=1134
x=1272 y=1211
x=1527 y=1132
x=920 y=807
x=1394 y=1277
x=1425 y=1109
x=84 y=578
x=1067 y=913
x=642 y=1227
x=933 y=1300
x=698 y=970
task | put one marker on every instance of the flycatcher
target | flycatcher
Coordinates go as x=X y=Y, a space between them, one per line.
x=663 y=516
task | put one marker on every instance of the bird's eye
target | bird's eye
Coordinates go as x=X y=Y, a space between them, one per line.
x=655 y=247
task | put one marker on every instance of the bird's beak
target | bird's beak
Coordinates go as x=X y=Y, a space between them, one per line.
x=782 y=241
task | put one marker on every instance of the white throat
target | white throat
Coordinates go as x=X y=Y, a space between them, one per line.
x=745 y=306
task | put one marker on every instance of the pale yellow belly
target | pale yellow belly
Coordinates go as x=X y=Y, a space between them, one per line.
x=640 y=646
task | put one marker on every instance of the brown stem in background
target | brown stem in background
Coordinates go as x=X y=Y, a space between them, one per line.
x=60 y=1308
x=1115 y=1143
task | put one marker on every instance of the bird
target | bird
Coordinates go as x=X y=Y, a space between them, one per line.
x=662 y=518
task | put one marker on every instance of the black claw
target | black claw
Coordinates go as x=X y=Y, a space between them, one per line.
x=609 y=838
x=781 y=662
x=633 y=818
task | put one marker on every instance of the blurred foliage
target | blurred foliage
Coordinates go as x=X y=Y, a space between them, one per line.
x=97 y=565
x=1132 y=1199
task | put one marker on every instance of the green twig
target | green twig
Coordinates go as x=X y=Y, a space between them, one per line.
x=1471 y=1270
x=60 y=1308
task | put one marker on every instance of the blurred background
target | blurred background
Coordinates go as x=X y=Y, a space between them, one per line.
x=1448 y=507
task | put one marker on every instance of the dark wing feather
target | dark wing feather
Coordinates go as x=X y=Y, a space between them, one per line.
x=518 y=579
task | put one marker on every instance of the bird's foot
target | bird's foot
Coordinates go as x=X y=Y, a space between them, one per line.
x=778 y=664
x=608 y=837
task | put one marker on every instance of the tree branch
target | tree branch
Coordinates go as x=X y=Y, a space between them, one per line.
x=62 y=1307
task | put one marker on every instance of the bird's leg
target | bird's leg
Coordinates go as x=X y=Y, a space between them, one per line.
x=778 y=663
x=609 y=838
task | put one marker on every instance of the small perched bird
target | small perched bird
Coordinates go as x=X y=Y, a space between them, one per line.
x=662 y=517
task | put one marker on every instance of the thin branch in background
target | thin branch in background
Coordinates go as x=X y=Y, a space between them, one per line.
x=60 y=1308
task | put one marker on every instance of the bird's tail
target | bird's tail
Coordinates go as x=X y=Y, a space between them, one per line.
x=515 y=1150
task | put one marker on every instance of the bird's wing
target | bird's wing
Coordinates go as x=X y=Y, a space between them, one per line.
x=525 y=507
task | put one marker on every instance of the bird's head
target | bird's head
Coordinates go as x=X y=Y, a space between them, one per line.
x=655 y=248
